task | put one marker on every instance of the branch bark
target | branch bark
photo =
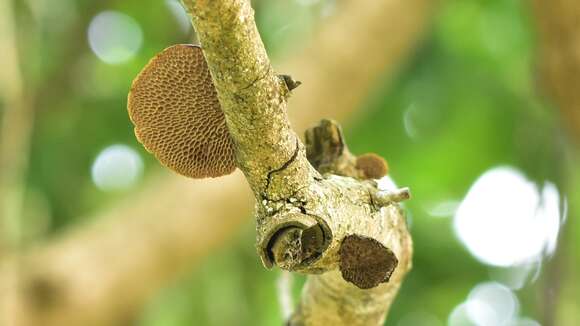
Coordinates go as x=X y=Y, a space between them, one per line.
x=335 y=222
x=153 y=234
x=252 y=96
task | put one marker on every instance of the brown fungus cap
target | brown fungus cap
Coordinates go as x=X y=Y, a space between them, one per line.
x=372 y=165
x=177 y=116
x=365 y=262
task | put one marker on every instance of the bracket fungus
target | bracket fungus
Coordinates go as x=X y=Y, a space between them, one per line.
x=365 y=262
x=177 y=116
x=174 y=106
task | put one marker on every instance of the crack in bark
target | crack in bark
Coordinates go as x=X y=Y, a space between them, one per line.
x=372 y=201
x=260 y=77
x=280 y=169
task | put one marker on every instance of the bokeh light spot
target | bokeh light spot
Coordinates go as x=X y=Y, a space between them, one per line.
x=386 y=183
x=180 y=15
x=409 y=122
x=504 y=220
x=459 y=317
x=515 y=277
x=524 y=322
x=442 y=209
x=114 y=37
x=490 y=304
x=117 y=167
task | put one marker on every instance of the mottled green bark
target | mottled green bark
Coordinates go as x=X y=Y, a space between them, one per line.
x=252 y=95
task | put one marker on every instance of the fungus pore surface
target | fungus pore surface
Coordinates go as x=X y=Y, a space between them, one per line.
x=365 y=262
x=177 y=116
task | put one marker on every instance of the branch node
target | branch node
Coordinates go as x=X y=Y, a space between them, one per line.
x=290 y=82
x=387 y=197
x=326 y=150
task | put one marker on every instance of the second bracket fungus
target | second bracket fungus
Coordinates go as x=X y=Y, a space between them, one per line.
x=177 y=116
x=365 y=262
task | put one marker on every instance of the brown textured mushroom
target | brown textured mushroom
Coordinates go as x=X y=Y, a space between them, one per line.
x=365 y=262
x=372 y=165
x=177 y=116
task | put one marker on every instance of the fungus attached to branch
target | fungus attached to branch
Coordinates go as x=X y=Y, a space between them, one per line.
x=372 y=166
x=177 y=116
x=327 y=151
x=365 y=262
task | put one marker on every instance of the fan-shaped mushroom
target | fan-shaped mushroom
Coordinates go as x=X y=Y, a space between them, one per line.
x=177 y=116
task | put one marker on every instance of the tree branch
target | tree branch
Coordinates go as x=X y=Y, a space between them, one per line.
x=253 y=98
x=335 y=221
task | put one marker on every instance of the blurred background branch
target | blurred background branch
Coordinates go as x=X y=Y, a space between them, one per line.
x=558 y=27
x=343 y=61
x=15 y=132
x=88 y=276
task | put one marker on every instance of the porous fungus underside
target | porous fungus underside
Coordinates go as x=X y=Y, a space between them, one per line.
x=174 y=106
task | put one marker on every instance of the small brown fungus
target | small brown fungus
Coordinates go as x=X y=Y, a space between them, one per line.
x=372 y=166
x=365 y=262
x=177 y=116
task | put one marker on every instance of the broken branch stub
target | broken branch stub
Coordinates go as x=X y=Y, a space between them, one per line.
x=340 y=220
x=177 y=116
x=331 y=210
x=327 y=151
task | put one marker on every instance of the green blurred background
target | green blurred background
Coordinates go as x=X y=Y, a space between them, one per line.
x=463 y=109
